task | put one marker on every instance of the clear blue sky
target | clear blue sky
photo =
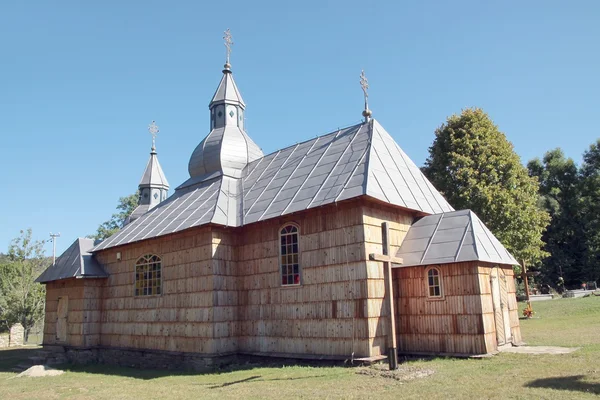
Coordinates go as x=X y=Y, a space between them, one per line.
x=81 y=81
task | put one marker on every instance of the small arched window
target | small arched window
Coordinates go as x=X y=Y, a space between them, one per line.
x=434 y=283
x=289 y=255
x=148 y=275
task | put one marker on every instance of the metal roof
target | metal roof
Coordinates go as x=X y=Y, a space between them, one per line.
x=153 y=174
x=75 y=262
x=227 y=91
x=225 y=151
x=451 y=237
x=359 y=160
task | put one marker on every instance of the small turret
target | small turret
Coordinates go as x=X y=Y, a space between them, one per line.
x=153 y=186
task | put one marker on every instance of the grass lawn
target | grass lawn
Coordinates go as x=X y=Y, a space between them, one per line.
x=565 y=322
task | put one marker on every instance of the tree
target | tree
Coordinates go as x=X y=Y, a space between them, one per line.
x=21 y=298
x=560 y=196
x=474 y=166
x=126 y=206
x=590 y=205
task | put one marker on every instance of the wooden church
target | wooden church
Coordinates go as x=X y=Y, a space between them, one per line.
x=269 y=255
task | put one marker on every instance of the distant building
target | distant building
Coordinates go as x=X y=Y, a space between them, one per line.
x=269 y=255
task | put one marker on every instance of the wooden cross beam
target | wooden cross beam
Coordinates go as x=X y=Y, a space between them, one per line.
x=387 y=260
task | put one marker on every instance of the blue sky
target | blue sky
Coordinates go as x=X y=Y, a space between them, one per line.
x=81 y=81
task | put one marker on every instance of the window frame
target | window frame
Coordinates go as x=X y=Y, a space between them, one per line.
x=147 y=261
x=440 y=284
x=280 y=234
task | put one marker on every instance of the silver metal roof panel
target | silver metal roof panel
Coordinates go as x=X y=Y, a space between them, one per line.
x=451 y=237
x=75 y=262
x=340 y=165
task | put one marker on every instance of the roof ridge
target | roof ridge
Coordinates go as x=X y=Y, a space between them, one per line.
x=366 y=155
x=475 y=244
x=336 y=162
x=462 y=240
x=432 y=236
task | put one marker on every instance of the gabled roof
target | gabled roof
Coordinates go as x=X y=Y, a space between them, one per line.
x=75 y=262
x=153 y=174
x=360 y=160
x=451 y=237
x=356 y=161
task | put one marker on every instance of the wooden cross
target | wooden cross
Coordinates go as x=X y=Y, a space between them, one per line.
x=387 y=260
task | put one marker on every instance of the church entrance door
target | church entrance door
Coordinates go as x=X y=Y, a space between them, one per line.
x=504 y=305
x=499 y=299
x=61 y=319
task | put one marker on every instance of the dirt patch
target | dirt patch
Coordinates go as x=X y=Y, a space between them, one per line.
x=40 y=370
x=539 y=350
x=404 y=373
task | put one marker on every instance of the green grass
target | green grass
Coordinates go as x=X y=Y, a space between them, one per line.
x=565 y=322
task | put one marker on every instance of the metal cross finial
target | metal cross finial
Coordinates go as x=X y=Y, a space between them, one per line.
x=364 y=84
x=153 y=129
x=228 y=42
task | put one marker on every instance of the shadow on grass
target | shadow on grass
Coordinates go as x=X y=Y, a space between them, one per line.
x=259 y=378
x=10 y=358
x=571 y=383
x=148 y=374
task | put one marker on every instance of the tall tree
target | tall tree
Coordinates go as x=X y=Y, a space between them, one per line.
x=590 y=204
x=21 y=298
x=560 y=196
x=474 y=166
x=125 y=207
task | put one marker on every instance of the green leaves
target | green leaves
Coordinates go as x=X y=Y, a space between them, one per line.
x=126 y=206
x=21 y=298
x=474 y=166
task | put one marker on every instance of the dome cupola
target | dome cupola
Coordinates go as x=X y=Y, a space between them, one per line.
x=227 y=149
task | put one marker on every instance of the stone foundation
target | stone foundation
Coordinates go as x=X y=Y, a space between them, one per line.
x=147 y=359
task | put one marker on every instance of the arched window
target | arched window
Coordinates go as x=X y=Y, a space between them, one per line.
x=289 y=255
x=434 y=283
x=148 y=275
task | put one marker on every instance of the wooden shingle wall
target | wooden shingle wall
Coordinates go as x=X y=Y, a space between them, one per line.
x=182 y=318
x=83 y=314
x=325 y=315
x=399 y=222
x=452 y=324
x=489 y=323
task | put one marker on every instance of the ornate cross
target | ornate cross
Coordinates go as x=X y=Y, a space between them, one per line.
x=153 y=129
x=228 y=42
x=364 y=84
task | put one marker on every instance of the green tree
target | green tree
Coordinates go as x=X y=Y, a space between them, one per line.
x=590 y=206
x=21 y=298
x=125 y=207
x=560 y=196
x=474 y=166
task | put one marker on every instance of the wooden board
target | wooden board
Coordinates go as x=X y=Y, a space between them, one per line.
x=61 y=319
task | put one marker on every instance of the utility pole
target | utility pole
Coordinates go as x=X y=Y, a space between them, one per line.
x=53 y=237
